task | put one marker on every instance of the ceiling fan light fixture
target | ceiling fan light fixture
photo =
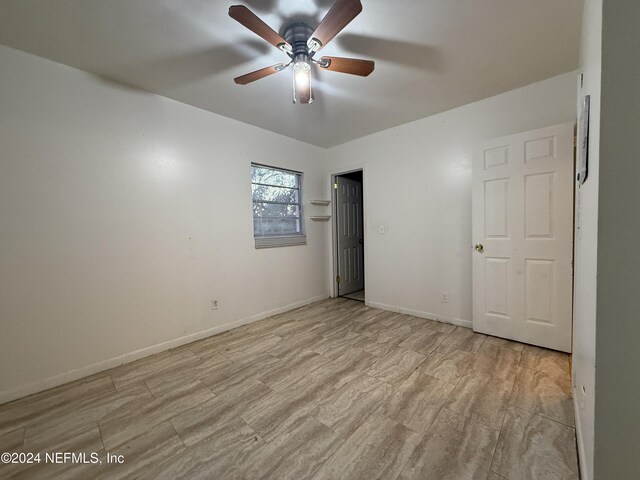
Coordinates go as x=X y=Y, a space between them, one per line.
x=302 y=92
x=302 y=77
x=301 y=67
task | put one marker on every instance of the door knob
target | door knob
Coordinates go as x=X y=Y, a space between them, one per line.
x=479 y=247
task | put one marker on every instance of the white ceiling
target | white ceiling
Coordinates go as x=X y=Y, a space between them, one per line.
x=431 y=55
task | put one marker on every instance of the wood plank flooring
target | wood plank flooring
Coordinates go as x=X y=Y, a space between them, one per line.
x=333 y=390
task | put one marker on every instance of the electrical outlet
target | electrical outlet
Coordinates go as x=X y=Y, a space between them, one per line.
x=444 y=297
x=214 y=304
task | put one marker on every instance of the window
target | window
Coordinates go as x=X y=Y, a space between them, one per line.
x=277 y=207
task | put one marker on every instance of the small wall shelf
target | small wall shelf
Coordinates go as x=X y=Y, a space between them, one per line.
x=323 y=203
x=320 y=218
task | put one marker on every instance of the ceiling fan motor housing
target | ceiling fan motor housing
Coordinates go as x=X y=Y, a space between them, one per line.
x=297 y=35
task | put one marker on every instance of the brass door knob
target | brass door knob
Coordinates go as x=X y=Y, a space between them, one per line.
x=479 y=247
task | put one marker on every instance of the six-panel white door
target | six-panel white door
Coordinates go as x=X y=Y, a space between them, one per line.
x=523 y=236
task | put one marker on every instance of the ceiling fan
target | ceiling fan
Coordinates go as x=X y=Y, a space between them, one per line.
x=301 y=43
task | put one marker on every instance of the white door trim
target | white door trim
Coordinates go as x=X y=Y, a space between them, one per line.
x=333 y=269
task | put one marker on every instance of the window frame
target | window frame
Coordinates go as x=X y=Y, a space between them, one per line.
x=287 y=239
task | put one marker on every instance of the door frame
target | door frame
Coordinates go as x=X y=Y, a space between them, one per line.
x=333 y=271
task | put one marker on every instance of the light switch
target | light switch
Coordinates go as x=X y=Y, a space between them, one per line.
x=382 y=229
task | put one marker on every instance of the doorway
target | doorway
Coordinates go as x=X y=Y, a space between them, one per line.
x=348 y=223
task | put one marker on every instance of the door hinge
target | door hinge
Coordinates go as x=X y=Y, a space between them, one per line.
x=335 y=186
x=338 y=279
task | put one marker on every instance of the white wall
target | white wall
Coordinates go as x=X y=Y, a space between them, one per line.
x=586 y=245
x=617 y=402
x=122 y=214
x=417 y=182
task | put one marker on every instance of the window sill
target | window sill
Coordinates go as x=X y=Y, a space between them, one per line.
x=280 y=241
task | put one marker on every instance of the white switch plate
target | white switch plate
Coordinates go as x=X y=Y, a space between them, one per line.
x=444 y=297
x=382 y=229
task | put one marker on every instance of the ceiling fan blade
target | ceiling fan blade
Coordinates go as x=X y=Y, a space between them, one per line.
x=352 y=66
x=250 y=20
x=258 y=74
x=338 y=17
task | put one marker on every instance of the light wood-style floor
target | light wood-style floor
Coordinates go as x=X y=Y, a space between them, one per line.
x=335 y=390
x=359 y=295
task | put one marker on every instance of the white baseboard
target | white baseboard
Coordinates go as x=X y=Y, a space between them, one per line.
x=70 y=376
x=582 y=461
x=418 y=313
